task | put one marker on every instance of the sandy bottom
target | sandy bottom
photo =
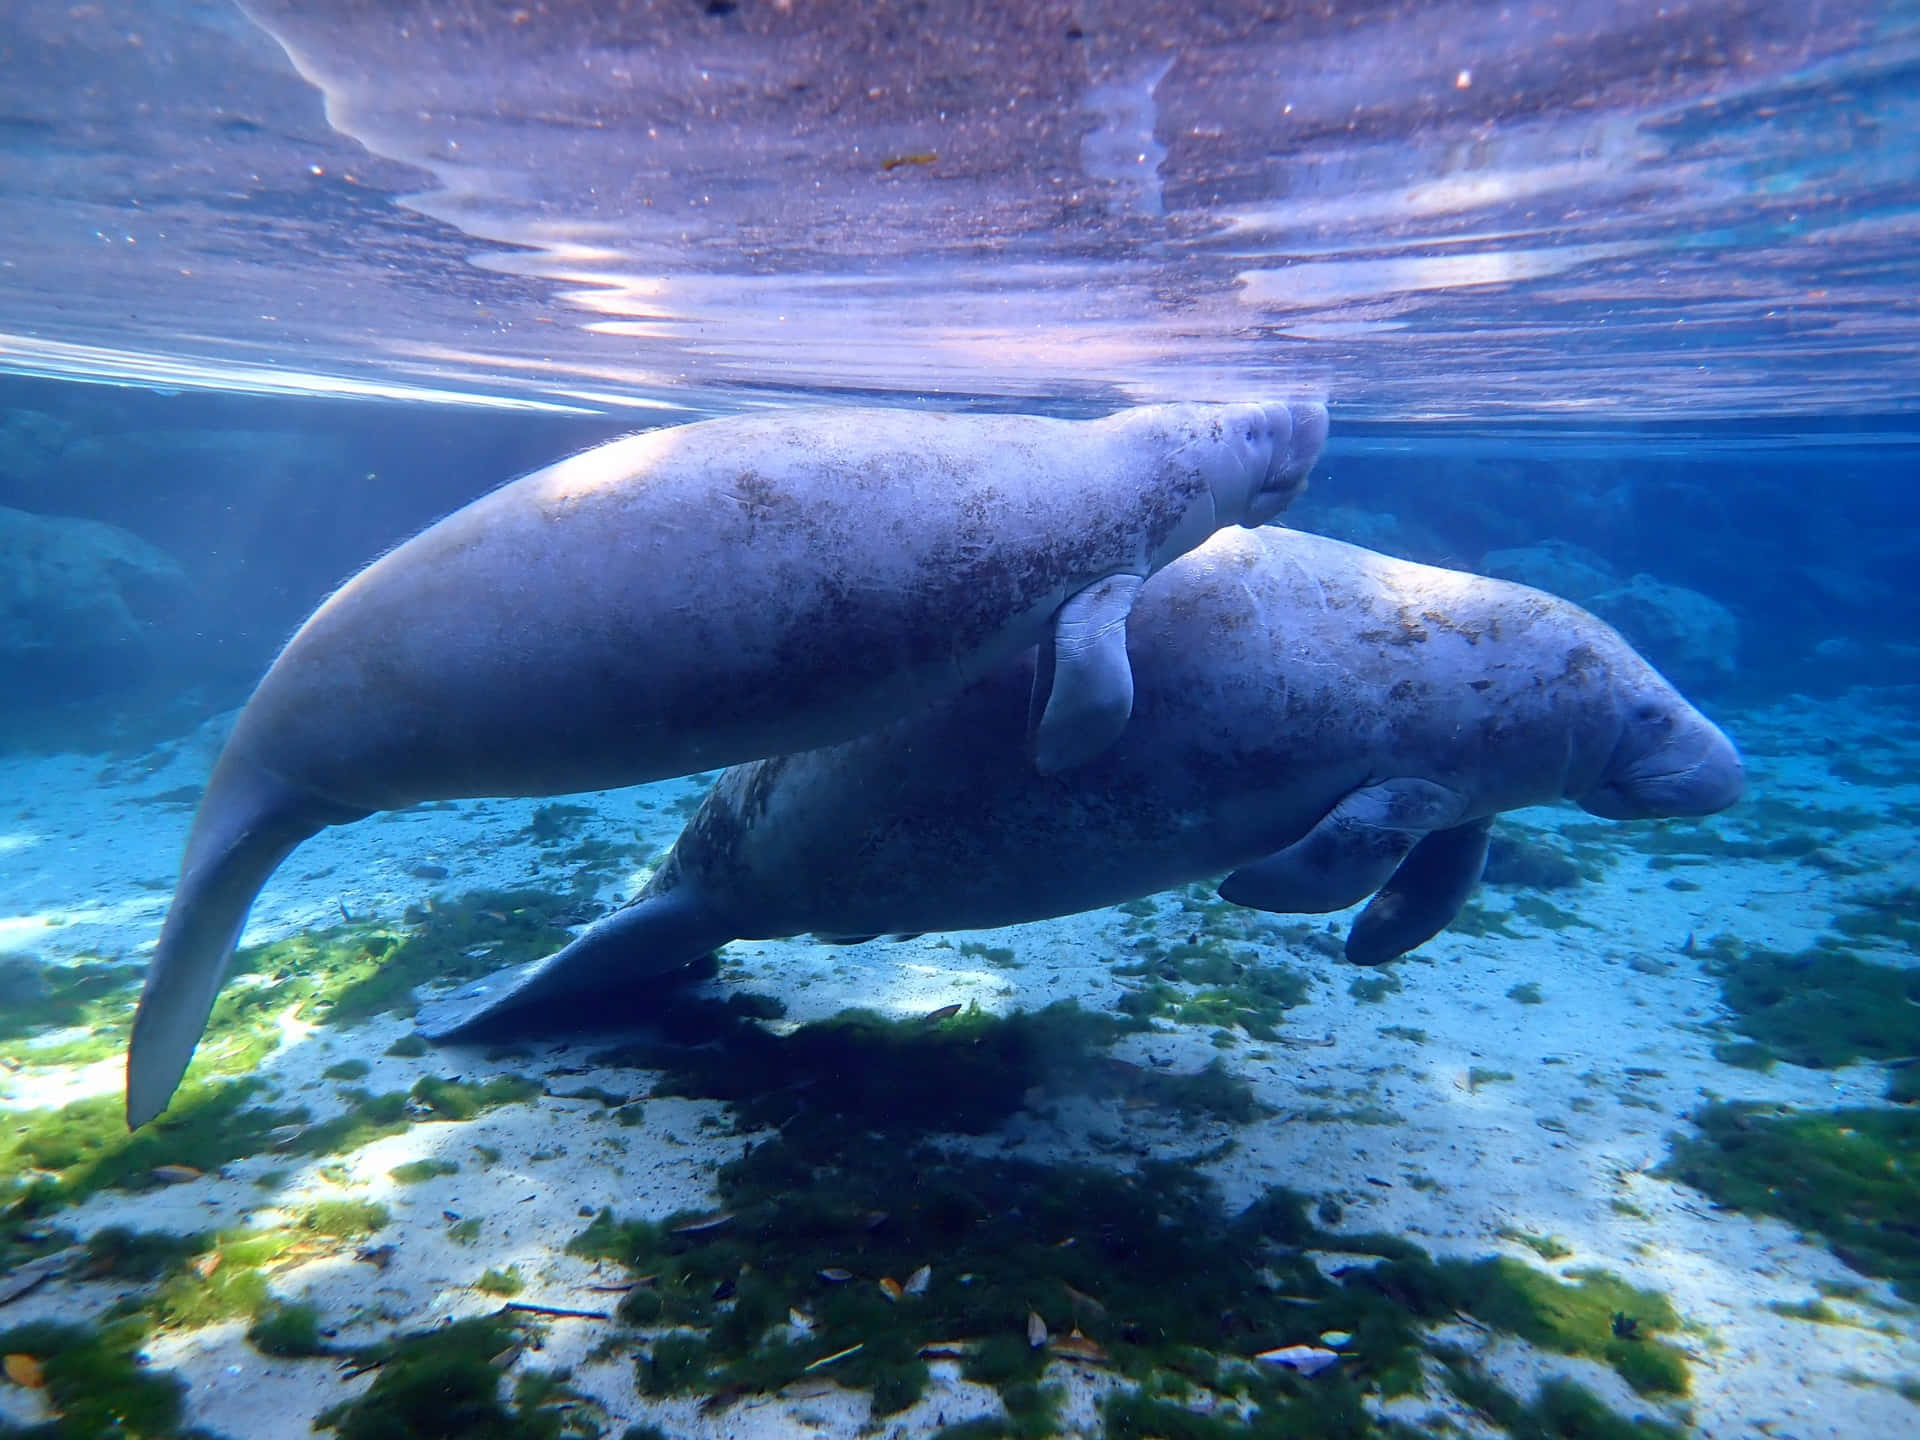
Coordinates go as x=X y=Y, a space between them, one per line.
x=1605 y=1068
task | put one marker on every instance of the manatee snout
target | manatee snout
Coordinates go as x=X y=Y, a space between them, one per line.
x=1672 y=762
x=1296 y=433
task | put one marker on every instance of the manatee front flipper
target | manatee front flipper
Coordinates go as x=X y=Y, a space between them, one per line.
x=1422 y=896
x=1351 y=853
x=1083 y=685
x=609 y=969
x=247 y=823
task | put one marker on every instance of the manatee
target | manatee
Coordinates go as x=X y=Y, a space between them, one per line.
x=696 y=596
x=1323 y=722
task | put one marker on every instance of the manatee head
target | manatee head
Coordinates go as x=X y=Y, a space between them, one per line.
x=1264 y=463
x=1253 y=458
x=1668 y=760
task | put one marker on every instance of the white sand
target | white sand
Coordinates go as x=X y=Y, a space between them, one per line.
x=86 y=871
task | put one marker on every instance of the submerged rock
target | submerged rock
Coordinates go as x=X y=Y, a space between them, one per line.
x=1559 y=567
x=1691 y=637
x=71 y=584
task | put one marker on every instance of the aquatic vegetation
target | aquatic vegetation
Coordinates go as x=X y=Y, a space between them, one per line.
x=95 y=1382
x=1903 y=1085
x=1816 y=1312
x=288 y=1330
x=1478 y=1076
x=1850 y=1176
x=482 y=931
x=120 y=1253
x=1775 y=830
x=344 y=1219
x=1230 y=986
x=1479 y=922
x=416 y=1172
x=1147 y=1264
x=1562 y=1410
x=1375 y=988
x=1545 y=1246
x=1546 y=914
x=1581 y=1318
x=859 y=1070
x=1527 y=993
x=352 y=971
x=92 y=999
x=444 y=1384
x=348 y=1070
x=1887 y=917
x=993 y=954
x=1823 y=1007
x=460 y=1100
x=226 y=1285
x=84 y=1147
x=505 y=1283
x=1744 y=1055
x=557 y=821
x=368 y=1117
x=886 y=1244
x=1518 y=860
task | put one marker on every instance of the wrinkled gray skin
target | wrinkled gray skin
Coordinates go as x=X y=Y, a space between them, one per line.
x=1318 y=719
x=699 y=596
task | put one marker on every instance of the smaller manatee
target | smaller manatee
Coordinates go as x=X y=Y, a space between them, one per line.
x=702 y=595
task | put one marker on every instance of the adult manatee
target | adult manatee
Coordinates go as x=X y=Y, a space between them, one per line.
x=1322 y=721
x=698 y=596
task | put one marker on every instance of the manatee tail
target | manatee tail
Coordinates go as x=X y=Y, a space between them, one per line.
x=603 y=973
x=248 y=822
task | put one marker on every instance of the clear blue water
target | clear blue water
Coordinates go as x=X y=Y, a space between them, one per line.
x=1619 y=299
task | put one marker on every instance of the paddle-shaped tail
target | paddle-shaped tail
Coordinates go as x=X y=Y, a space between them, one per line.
x=609 y=971
x=248 y=822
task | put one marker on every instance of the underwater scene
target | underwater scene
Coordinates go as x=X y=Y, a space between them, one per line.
x=752 y=718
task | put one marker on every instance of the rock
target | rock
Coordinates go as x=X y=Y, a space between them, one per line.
x=1692 y=638
x=1559 y=567
x=31 y=444
x=1375 y=529
x=68 y=584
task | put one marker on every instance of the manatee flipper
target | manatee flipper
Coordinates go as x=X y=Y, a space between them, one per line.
x=1349 y=854
x=1422 y=897
x=1083 y=685
x=609 y=967
x=248 y=822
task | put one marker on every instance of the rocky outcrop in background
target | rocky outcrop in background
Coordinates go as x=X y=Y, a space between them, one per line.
x=74 y=586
